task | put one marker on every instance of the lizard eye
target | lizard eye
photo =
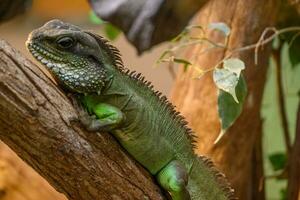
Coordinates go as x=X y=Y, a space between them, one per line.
x=65 y=42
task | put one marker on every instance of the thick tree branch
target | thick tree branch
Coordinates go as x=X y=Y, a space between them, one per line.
x=36 y=122
x=257 y=181
x=294 y=173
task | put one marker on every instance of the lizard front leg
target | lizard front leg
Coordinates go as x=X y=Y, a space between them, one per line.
x=105 y=116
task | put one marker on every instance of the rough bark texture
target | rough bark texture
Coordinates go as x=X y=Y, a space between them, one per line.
x=258 y=179
x=197 y=99
x=294 y=172
x=36 y=122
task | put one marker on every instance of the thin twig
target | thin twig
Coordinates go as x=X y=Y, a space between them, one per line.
x=281 y=175
x=171 y=67
x=294 y=38
x=261 y=39
x=196 y=41
x=267 y=40
x=260 y=43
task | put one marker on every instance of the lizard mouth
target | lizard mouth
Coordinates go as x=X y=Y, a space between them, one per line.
x=52 y=62
x=81 y=80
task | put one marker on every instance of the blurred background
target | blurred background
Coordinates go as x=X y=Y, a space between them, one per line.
x=78 y=12
x=18 y=182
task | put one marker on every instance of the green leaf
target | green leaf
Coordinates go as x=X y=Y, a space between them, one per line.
x=278 y=161
x=182 y=61
x=180 y=36
x=194 y=27
x=220 y=26
x=234 y=65
x=228 y=109
x=226 y=80
x=276 y=43
x=94 y=18
x=164 y=54
x=293 y=39
x=294 y=52
x=185 y=63
x=111 y=31
x=283 y=194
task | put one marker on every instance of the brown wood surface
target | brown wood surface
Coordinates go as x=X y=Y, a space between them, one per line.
x=37 y=122
x=197 y=99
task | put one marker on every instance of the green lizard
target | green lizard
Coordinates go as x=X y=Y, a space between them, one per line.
x=111 y=98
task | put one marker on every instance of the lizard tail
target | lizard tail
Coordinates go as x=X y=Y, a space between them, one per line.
x=207 y=183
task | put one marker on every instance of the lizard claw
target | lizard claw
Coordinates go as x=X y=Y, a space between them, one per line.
x=83 y=116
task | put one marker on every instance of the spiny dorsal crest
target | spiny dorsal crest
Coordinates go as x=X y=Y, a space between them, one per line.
x=176 y=116
x=110 y=50
x=220 y=178
x=114 y=53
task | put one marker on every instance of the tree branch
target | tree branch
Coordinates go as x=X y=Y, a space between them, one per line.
x=36 y=122
x=294 y=173
x=258 y=182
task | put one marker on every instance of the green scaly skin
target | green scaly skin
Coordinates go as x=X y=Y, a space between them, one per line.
x=110 y=98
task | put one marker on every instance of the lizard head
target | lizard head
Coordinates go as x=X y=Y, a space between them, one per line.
x=75 y=58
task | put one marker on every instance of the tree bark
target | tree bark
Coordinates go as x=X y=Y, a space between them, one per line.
x=197 y=99
x=37 y=122
x=258 y=179
x=294 y=165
